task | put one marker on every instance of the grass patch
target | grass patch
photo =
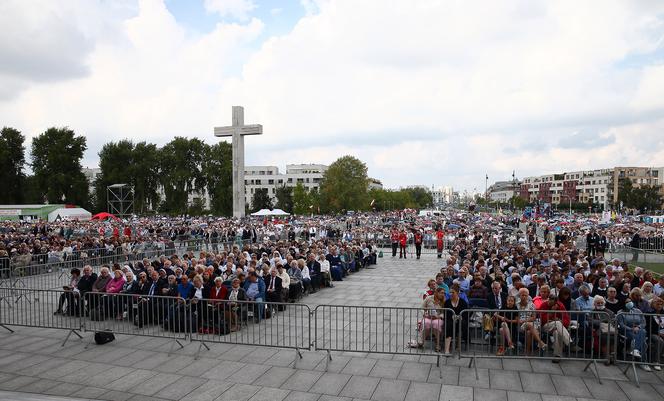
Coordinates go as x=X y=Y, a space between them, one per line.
x=655 y=267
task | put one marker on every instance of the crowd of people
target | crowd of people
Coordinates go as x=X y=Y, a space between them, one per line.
x=213 y=292
x=536 y=288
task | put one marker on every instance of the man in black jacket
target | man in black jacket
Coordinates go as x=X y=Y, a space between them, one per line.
x=314 y=271
x=497 y=298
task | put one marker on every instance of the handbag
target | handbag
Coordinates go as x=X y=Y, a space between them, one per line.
x=103 y=337
x=487 y=323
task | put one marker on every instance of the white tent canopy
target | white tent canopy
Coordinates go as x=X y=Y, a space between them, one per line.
x=268 y=212
x=74 y=213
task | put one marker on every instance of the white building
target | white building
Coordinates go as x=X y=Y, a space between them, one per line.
x=502 y=191
x=442 y=195
x=268 y=177
x=91 y=175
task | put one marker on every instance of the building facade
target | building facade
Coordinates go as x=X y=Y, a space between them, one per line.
x=599 y=187
x=269 y=178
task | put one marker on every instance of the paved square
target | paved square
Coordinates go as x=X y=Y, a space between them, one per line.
x=140 y=368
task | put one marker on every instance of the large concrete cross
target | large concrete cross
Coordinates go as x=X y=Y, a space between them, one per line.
x=238 y=130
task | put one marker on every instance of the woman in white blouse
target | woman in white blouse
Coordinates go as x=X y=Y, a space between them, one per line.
x=325 y=270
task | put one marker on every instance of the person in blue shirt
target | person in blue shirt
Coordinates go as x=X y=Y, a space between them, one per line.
x=336 y=270
x=254 y=288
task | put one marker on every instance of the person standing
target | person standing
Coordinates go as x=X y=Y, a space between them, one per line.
x=417 y=238
x=403 y=239
x=394 y=235
x=439 y=242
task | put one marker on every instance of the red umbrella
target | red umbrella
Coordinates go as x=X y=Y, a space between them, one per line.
x=103 y=216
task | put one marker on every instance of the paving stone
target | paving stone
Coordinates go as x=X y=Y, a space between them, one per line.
x=537 y=383
x=520 y=396
x=391 y=390
x=181 y=388
x=545 y=366
x=548 y=397
x=63 y=389
x=239 y=392
x=116 y=396
x=223 y=370
x=210 y=391
x=138 y=377
x=139 y=397
x=450 y=375
x=359 y=366
x=274 y=377
x=570 y=386
x=330 y=383
x=415 y=371
x=608 y=390
x=522 y=365
x=423 y=392
x=643 y=393
x=468 y=378
x=248 y=373
x=456 y=393
x=301 y=380
x=301 y=396
x=360 y=387
x=154 y=384
x=333 y=398
x=39 y=386
x=336 y=365
x=108 y=376
x=504 y=380
x=482 y=394
x=89 y=392
x=387 y=369
x=270 y=394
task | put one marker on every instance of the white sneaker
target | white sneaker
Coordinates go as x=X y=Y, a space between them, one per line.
x=657 y=368
x=646 y=368
x=636 y=354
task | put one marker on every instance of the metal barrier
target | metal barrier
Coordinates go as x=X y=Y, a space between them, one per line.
x=139 y=315
x=386 y=330
x=48 y=309
x=536 y=334
x=273 y=324
x=639 y=340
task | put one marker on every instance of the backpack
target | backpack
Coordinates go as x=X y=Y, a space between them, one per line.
x=103 y=337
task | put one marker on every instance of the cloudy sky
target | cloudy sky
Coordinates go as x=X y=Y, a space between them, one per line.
x=424 y=91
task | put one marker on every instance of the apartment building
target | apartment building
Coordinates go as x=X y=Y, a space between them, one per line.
x=269 y=177
x=601 y=186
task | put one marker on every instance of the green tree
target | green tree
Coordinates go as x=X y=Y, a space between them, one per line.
x=344 y=186
x=218 y=170
x=261 y=200
x=56 y=161
x=137 y=165
x=302 y=201
x=642 y=198
x=284 y=196
x=181 y=172
x=421 y=197
x=518 y=202
x=12 y=162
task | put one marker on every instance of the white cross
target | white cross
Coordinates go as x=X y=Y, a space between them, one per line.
x=238 y=130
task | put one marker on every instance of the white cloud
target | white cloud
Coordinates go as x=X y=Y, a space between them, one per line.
x=239 y=9
x=427 y=92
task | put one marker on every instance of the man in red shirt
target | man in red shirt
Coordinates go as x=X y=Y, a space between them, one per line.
x=403 y=238
x=395 y=241
x=439 y=237
x=555 y=322
x=417 y=238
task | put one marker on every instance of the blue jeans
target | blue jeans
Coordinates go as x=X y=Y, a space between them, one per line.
x=638 y=339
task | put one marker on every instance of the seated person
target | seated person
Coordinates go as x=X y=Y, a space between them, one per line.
x=70 y=295
x=254 y=288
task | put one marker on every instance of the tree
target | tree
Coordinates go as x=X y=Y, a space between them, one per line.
x=261 y=200
x=422 y=198
x=302 y=201
x=284 y=196
x=642 y=198
x=181 y=172
x=518 y=202
x=12 y=162
x=344 y=186
x=56 y=161
x=137 y=165
x=218 y=171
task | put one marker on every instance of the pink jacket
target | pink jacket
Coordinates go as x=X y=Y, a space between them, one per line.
x=115 y=285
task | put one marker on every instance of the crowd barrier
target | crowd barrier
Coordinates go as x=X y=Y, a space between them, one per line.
x=542 y=334
x=639 y=340
x=590 y=337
